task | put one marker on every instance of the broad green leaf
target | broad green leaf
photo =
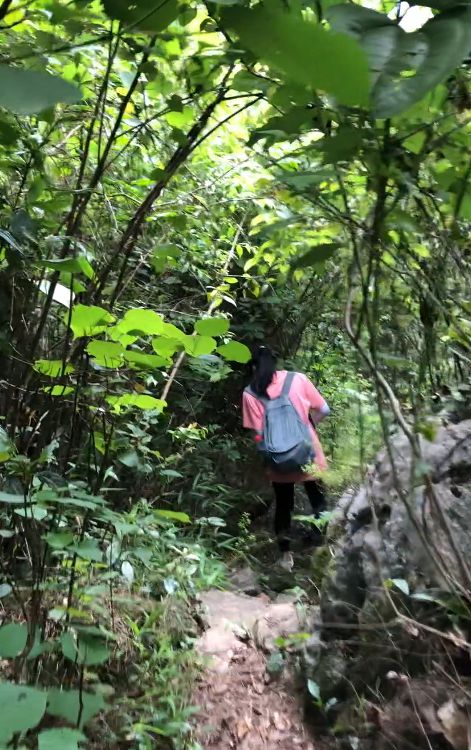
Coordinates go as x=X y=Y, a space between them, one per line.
x=9 y=134
x=60 y=739
x=297 y=120
x=27 y=92
x=129 y=459
x=172 y=332
x=106 y=353
x=66 y=704
x=246 y=81
x=147 y=361
x=173 y=515
x=140 y=401
x=342 y=146
x=401 y=584
x=69 y=265
x=86 y=650
x=405 y=66
x=117 y=334
x=180 y=119
x=88 y=320
x=212 y=327
x=314 y=256
x=303 y=51
x=143 y=15
x=5 y=589
x=7 y=448
x=164 y=255
x=141 y=321
x=166 y=347
x=306 y=180
x=87 y=549
x=196 y=346
x=13 y=639
x=314 y=689
x=58 y=390
x=53 y=368
x=22 y=709
x=6 y=497
x=39 y=514
x=234 y=351
x=59 y=540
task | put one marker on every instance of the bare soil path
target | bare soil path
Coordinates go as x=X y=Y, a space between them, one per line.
x=246 y=702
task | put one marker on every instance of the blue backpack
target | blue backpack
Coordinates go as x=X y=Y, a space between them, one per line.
x=286 y=443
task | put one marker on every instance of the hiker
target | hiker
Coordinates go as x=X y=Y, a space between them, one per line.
x=282 y=408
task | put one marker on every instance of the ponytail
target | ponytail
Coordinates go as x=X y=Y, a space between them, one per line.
x=264 y=368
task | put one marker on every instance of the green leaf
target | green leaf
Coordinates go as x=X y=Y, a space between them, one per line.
x=5 y=590
x=196 y=346
x=66 y=704
x=7 y=448
x=60 y=739
x=88 y=549
x=401 y=584
x=59 y=540
x=314 y=689
x=129 y=459
x=140 y=401
x=342 y=146
x=423 y=596
x=172 y=332
x=26 y=92
x=305 y=180
x=141 y=321
x=86 y=650
x=212 y=327
x=106 y=353
x=173 y=515
x=22 y=709
x=5 y=497
x=53 y=368
x=69 y=265
x=405 y=66
x=9 y=134
x=166 y=347
x=180 y=119
x=147 y=361
x=316 y=255
x=164 y=254
x=303 y=51
x=13 y=639
x=32 y=512
x=88 y=320
x=235 y=352
x=58 y=390
x=144 y=15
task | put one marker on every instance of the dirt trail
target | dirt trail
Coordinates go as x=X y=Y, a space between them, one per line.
x=246 y=706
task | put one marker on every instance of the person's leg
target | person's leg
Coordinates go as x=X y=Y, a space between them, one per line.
x=284 y=496
x=316 y=495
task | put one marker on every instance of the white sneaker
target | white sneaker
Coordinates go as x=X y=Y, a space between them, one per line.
x=286 y=561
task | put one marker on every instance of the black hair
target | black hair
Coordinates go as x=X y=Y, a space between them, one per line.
x=263 y=367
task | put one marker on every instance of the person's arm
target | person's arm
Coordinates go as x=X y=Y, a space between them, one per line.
x=318 y=414
x=319 y=408
x=252 y=415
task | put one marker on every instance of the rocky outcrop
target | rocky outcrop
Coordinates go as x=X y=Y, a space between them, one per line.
x=403 y=546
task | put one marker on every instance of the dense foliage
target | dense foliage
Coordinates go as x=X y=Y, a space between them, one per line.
x=178 y=182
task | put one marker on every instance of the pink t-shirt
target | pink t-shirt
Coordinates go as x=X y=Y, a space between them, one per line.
x=304 y=397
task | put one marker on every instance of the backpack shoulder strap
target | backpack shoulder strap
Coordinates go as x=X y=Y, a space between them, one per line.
x=252 y=393
x=287 y=384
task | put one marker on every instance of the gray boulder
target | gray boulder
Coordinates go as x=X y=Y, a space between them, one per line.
x=399 y=529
